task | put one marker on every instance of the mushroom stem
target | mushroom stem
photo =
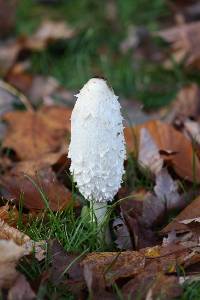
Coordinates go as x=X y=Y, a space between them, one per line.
x=98 y=211
x=98 y=216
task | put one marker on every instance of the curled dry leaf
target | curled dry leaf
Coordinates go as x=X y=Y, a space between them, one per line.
x=10 y=233
x=192 y=211
x=185 y=40
x=29 y=246
x=32 y=134
x=173 y=146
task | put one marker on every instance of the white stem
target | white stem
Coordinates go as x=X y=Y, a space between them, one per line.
x=98 y=211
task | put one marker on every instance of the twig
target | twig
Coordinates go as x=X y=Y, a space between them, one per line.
x=9 y=88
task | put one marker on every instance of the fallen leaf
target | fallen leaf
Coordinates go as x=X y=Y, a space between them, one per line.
x=185 y=42
x=149 y=156
x=10 y=255
x=29 y=246
x=185 y=105
x=171 y=141
x=39 y=249
x=190 y=212
x=192 y=129
x=123 y=239
x=8 y=55
x=103 y=269
x=32 y=134
x=149 y=286
x=10 y=233
x=7 y=16
x=40 y=191
x=166 y=189
x=21 y=290
x=49 y=31
x=141 y=213
x=9 y=214
x=66 y=268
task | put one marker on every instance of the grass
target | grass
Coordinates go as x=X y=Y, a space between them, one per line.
x=95 y=49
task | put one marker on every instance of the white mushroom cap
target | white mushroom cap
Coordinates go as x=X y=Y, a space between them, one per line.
x=97 y=149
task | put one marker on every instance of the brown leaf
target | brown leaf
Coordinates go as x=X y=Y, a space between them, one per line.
x=10 y=233
x=152 y=286
x=103 y=269
x=141 y=213
x=7 y=16
x=166 y=189
x=49 y=31
x=9 y=214
x=169 y=139
x=148 y=155
x=66 y=268
x=43 y=184
x=29 y=246
x=32 y=134
x=185 y=42
x=21 y=290
x=10 y=255
x=123 y=239
x=8 y=55
x=190 y=212
x=186 y=104
x=192 y=129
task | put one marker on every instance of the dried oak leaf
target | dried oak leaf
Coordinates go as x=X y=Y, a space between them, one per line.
x=173 y=146
x=192 y=211
x=185 y=41
x=103 y=269
x=32 y=134
x=33 y=189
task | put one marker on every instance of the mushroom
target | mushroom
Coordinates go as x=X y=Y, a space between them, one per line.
x=97 y=148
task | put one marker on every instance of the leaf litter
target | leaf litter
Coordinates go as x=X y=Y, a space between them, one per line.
x=155 y=230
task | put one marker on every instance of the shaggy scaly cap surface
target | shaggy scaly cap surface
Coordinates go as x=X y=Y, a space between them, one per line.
x=97 y=149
